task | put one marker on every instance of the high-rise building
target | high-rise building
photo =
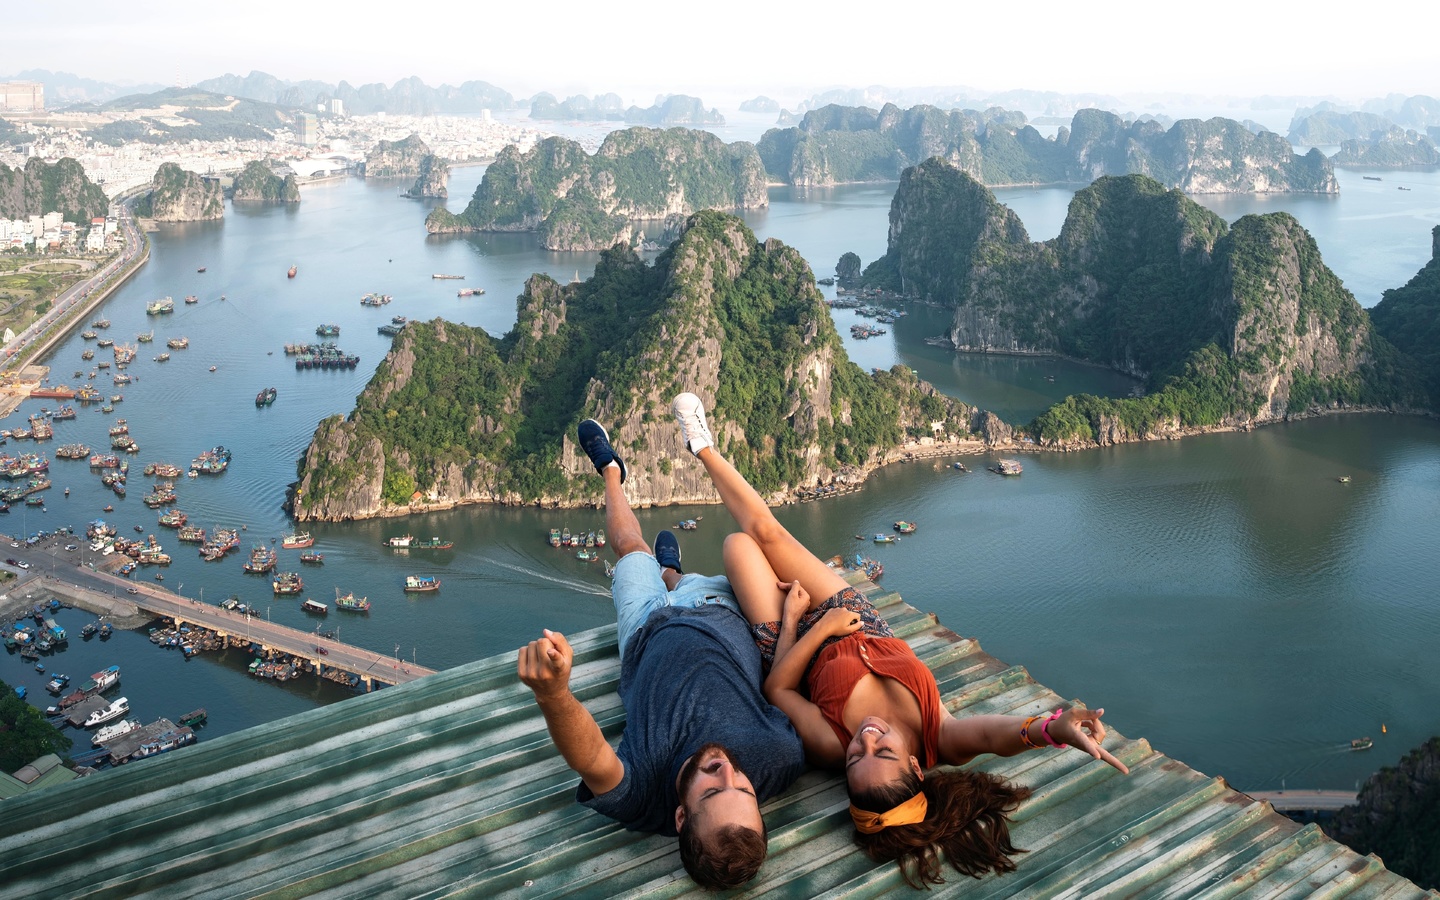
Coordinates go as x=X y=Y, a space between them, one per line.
x=307 y=129
x=337 y=106
x=22 y=96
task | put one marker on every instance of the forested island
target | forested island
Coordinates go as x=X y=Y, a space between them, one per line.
x=672 y=110
x=179 y=195
x=43 y=187
x=836 y=144
x=453 y=416
x=1229 y=326
x=640 y=181
x=257 y=183
x=1391 y=149
x=1397 y=816
x=1409 y=317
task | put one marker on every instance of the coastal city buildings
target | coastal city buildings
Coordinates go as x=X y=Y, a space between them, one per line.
x=321 y=146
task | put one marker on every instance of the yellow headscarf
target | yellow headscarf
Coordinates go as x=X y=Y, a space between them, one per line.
x=907 y=813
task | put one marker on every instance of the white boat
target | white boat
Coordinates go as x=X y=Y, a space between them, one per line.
x=114 y=711
x=117 y=730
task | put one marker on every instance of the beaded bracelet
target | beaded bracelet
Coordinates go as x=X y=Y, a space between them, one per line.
x=1045 y=730
x=1025 y=733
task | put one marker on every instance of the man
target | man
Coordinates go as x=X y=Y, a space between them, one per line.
x=702 y=748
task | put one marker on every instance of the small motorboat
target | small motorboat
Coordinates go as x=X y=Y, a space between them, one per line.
x=1363 y=743
x=107 y=508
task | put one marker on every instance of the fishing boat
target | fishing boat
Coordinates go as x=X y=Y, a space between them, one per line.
x=109 y=713
x=905 y=527
x=1006 y=467
x=288 y=583
x=470 y=292
x=331 y=330
x=554 y=537
x=882 y=538
x=375 y=299
x=351 y=602
x=87 y=355
x=191 y=535
x=191 y=298
x=314 y=559
x=262 y=560
x=448 y=277
x=89 y=335
x=314 y=606
x=211 y=462
x=160 y=307
x=147 y=337
x=433 y=543
x=418 y=584
x=194 y=717
x=200 y=270
x=163 y=357
x=600 y=537
x=265 y=397
x=296 y=540
x=586 y=555
x=688 y=524
x=57 y=683
x=179 y=343
x=291 y=273
x=173 y=518
x=1363 y=743
x=402 y=542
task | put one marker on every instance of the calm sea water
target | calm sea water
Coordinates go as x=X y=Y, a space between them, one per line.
x=1225 y=597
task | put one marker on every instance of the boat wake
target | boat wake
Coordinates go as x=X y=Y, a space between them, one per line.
x=580 y=587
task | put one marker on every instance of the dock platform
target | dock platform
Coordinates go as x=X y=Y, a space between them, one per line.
x=449 y=786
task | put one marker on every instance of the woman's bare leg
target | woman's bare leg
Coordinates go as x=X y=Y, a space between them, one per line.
x=788 y=559
x=752 y=579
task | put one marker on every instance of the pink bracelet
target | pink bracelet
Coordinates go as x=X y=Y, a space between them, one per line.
x=1045 y=730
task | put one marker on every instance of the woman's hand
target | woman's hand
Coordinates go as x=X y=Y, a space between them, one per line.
x=839 y=622
x=797 y=600
x=1082 y=729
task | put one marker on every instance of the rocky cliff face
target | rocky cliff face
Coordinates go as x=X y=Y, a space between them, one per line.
x=43 y=187
x=582 y=202
x=179 y=195
x=1390 y=149
x=843 y=144
x=433 y=180
x=1231 y=327
x=397 y=159
x=257 y=183
x=1409 y=317
x=463 y=418
x=1397 y=816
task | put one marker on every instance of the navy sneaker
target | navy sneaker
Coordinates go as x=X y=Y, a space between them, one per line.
x=596 y=444
x=667 y=550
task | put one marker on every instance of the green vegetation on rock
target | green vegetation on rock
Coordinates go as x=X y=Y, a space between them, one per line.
x=179 y=195
x=43 y=187
x=1409 y=317
x=1229 y=326
x=837 y=144
x=1397 y=816
x=462 y=417
x=638 y=175
x=1389 y=150
x=258 y=183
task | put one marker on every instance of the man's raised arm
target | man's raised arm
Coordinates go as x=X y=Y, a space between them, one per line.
x=544 y=667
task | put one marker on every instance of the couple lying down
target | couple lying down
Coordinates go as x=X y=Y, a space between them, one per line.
x=730 y=684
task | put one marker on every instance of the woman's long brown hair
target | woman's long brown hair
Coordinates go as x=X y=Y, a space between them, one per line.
x=967 y=821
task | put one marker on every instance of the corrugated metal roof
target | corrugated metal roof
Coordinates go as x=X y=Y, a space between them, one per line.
x=449 y=786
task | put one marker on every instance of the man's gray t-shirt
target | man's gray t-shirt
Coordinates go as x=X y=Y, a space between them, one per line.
x=692 y=677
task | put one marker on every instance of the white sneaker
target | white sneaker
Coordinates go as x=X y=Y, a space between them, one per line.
x=690 y=413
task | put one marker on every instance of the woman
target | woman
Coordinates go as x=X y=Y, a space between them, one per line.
x=873 y=709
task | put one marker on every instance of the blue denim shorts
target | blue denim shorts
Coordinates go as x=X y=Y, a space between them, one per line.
x=638 y=590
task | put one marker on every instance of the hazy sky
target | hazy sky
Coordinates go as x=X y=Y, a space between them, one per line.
x=786 y=50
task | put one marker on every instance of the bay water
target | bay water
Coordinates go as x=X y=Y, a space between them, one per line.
x=1226 y=597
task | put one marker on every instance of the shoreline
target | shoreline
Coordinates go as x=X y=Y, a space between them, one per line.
x=25 y=593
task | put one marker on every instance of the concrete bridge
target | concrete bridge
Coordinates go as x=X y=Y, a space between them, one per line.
x=369 y=666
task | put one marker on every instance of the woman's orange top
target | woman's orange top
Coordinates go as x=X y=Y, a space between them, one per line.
x=840 y=667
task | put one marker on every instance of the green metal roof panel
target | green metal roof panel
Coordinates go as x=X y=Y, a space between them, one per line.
x=450 y=787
